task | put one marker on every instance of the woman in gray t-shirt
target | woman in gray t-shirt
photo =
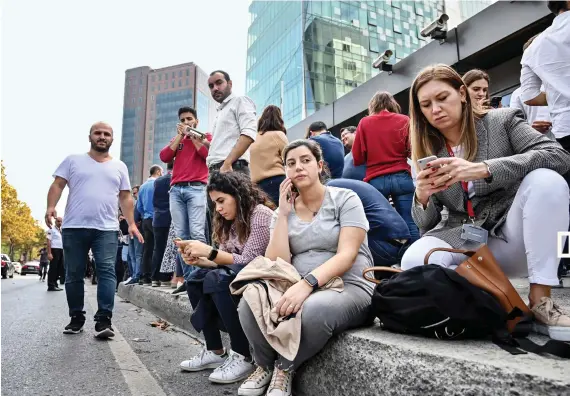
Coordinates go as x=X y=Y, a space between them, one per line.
x=321 y=231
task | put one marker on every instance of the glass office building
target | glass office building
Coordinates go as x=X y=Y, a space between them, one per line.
x=303 y=55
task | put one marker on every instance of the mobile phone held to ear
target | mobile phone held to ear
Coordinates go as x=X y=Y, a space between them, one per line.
x=293 y=191
x=422 y=163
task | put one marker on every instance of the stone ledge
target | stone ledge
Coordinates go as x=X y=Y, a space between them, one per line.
x=370 y=361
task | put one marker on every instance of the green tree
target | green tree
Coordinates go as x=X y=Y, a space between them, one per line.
x=20 y=232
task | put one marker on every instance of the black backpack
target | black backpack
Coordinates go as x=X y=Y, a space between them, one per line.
x=436 y=302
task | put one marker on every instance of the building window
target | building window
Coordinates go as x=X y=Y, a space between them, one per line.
x=173 y=74
x=166 y=76
x=172 y=83
x=372 y=18
x=179 y=83
x=374 y=45
x=152 y=97
x=180 y=73
x=152 y=78
x=187 y=72
x=160 y=77
x=187 y=81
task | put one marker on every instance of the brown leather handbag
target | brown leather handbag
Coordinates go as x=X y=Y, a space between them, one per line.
x=481 y=269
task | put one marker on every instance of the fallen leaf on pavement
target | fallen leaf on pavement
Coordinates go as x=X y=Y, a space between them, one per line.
x=161 y=324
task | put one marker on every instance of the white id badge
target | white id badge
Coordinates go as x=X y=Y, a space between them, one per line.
x=471 y=232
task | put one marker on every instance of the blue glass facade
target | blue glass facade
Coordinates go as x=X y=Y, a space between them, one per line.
x=164 y=128
x=303 y=55
x=128 y=140
x=203 y=110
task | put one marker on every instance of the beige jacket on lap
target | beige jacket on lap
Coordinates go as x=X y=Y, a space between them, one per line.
x=262 y=283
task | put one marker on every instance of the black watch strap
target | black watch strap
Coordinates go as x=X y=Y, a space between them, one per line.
x=213 y=254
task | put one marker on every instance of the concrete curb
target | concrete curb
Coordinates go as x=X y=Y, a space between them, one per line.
x=371 y=361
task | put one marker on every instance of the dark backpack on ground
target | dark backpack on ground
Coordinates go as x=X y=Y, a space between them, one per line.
x=436 y=302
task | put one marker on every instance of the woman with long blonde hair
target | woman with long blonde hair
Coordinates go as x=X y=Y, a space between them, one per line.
x=497 y=175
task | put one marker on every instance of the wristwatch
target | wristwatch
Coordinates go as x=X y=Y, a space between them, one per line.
x=312 y=281
x=213 y=254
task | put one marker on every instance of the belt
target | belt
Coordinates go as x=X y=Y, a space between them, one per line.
x=186 y=184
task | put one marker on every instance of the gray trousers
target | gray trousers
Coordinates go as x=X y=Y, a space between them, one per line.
x=325 y=313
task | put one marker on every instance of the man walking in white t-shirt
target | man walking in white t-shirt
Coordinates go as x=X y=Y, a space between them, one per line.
x=97 y=183
x=55 y=255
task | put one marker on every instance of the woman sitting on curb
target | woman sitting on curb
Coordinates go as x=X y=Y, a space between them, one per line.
x=321 y=231
x=500 y=180
x=241 y=228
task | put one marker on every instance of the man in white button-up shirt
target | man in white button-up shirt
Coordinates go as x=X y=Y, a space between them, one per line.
x=547 y=62
x=234 y=128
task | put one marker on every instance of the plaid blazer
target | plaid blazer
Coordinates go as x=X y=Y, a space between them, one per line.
x=512 y=149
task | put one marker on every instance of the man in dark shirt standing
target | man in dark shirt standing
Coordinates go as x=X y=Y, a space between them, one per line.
x=161 y=221
x=351 y=171
x=44 y=261
x=333 y=150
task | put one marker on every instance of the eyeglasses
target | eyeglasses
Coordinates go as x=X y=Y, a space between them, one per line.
x=189 y=119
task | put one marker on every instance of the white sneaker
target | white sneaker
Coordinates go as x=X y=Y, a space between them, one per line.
x=256 y=384
x=550 y=320
x=281 y=383
x=234 y=369
x=205 y=360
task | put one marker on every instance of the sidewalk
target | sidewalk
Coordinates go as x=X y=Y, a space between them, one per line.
x=371 y=361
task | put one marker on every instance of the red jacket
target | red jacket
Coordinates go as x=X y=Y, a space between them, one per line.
x=382 y=143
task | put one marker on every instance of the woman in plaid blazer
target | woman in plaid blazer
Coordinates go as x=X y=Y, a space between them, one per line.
x=496 y=173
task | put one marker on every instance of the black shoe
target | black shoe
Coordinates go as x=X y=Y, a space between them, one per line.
x=103 y=328
x=52 y=288
x=76 y=324
x=180 y=289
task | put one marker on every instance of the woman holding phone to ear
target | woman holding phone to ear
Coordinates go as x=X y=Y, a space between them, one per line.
x=500 y=180
x=321 y=231
x=241 y=229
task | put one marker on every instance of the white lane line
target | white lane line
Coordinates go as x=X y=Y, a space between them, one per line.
x=139 y=380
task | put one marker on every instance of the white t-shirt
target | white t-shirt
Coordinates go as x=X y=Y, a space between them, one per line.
x=94 y=187
x=54 y=236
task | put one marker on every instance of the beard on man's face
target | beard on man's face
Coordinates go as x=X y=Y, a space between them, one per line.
x=100 y=148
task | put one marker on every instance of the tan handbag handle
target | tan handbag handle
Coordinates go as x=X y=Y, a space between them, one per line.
x=374 y=269
x=462 y=251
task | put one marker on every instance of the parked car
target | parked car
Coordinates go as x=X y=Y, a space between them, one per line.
x=33 y=267
x=17 y=267
x=7 y=267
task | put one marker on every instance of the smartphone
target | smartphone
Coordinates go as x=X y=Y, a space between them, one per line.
x=422 y=163
x=496 y=101
x=195 y=132
x=293 y=191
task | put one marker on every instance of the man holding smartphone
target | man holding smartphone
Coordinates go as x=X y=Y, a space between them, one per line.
x=189 y=151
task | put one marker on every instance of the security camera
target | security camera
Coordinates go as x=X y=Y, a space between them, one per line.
x=382 y=61
x=437 y=30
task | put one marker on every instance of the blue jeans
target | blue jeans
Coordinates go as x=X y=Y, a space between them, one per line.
x=183 y=269
x=384 y=253
x=400 y=187
x=188 y=211
x=76 y=245
x=135 y=257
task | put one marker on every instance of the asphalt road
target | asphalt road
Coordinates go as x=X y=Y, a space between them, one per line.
x=39 y=360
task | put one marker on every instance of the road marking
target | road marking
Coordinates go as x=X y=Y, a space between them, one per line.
x=139 y=380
